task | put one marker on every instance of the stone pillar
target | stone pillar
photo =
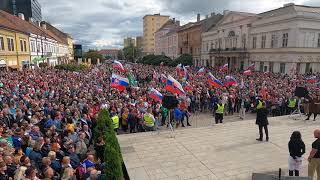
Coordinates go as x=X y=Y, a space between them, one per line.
x=89 y=60
x=98 y=61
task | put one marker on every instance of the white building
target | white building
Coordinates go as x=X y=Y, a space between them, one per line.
x=287 y=40
x=226 y=42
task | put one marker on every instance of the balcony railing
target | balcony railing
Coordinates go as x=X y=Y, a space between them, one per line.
x=225 y=50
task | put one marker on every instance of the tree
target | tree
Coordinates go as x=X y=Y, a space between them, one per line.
x=120 y=54
x=113 y=165
x=94 y=55
x=103 y=123
x=184 y=59
x=155 y=60
x=131 y=53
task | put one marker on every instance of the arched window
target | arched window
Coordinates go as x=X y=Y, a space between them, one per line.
x=231 y=34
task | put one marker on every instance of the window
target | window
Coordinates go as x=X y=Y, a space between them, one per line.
x=21 y=45
x=33 y=47
x=1 y=44
x=307 y=67
x=318 y=40
x=244 y=40
x=270 y=66
x=261 y=66
x=263 y=41
x=285 y=40
x=10 y=44
x=274 y=41
x=254 y=42
x=282 y=68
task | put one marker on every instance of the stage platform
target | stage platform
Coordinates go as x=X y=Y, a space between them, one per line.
x=225 y=151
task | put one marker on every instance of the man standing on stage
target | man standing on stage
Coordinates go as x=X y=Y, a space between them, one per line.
x=262 y=120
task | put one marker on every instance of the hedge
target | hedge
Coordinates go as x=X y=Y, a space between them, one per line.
x=184 y=59
x=112 y=153
x=71 y=67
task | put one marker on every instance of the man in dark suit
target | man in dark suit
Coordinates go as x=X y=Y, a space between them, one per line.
x=262 y=121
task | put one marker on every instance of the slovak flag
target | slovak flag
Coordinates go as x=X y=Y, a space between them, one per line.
x=156 y=95
x=164 y=78
x=230 y=80
x=247 y=72
x=213 y=81
x=312 y=79
x=251 y=67
x=174 y=86
x=188 y=87
x=118 y=65
x=202 y=71
x=224 y=67
x=119 y=82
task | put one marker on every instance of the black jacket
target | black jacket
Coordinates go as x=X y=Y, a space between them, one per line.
x=296 y=148
x=262 y=117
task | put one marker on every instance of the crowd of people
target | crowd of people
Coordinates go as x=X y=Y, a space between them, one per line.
x=47 y=115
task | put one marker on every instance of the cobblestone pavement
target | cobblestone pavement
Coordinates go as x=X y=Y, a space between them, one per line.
x=226 y=151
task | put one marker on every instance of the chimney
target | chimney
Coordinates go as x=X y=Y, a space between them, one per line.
x=212 y=14
x=207 y=16
x=21 y=16
x=225 y=12
x=174 y=20
x=43 y=25
x=198 y=17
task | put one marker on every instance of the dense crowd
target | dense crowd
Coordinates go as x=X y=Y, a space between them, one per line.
x=47 y=116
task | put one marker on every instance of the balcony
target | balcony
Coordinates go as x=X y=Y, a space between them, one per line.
x=228 y=50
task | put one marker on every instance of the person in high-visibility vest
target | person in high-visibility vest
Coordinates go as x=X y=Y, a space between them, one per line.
x=149 y=120
x=115 y=122
x=259 y=104
x=219 y=107
x=292 y=102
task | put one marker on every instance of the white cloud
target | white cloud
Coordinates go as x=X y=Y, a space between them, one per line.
x=104 y=23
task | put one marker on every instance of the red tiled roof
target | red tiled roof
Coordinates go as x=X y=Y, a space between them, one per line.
x=15 y=23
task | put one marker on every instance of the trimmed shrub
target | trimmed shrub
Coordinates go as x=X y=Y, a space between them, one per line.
x=113 y=167
x=111 y=139
x=71 y=67
x=103 y=124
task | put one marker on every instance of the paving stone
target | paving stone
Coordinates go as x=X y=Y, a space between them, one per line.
x=226 y=151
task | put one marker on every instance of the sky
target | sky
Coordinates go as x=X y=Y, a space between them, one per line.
x=102 y=24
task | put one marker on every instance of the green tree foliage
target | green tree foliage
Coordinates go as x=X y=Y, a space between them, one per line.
x=131 y=53
x=94 y=55
x=155 y=60
x=103 y=123
x=113 y=167
x=120 y=54
x=71 y=67
x=184 y=59
x=112 y=154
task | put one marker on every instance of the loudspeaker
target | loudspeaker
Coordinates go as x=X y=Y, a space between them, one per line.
x=301 y=92
x=170 y=101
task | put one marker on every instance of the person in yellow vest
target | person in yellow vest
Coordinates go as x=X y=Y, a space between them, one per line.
x=292 y=102
x=259 y=104
x=149 y=120
x=219 y=107
x=115 y=122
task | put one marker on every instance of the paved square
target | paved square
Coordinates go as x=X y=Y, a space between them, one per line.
x=226 y=151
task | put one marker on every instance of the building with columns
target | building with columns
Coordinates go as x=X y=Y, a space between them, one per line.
x=227 y=41
x=283 y=40
x=286 y=40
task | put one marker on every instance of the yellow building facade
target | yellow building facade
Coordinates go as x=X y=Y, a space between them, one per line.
x=151 y=24
x=14 y=49
x=70 y=46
